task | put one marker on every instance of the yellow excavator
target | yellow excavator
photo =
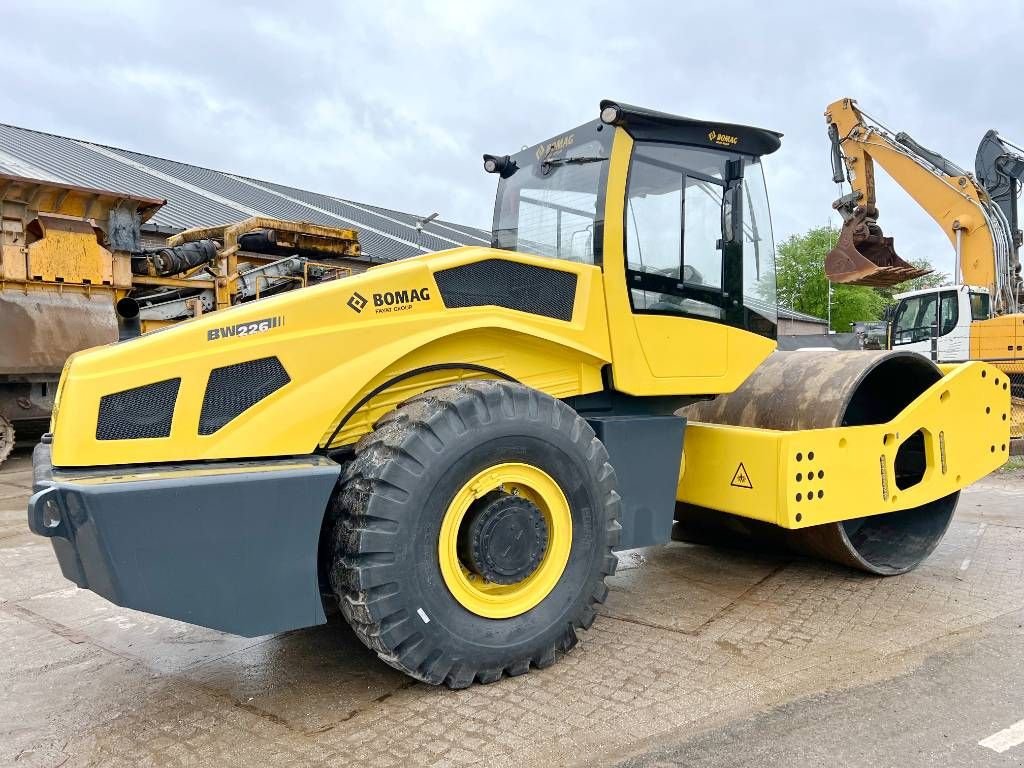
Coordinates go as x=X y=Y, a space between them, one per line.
x=975 y=225
x=978 y=316
x=451 y=448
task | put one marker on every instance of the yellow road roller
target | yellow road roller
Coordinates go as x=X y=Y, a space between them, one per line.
x=451 y=448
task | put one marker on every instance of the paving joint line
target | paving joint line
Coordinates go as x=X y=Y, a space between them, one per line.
x=54 y=627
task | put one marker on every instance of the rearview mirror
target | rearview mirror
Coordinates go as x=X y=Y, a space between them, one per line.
x=732 y=213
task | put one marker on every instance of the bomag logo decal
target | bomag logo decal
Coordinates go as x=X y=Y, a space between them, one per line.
x=387 y=302
x=398 y=301
x=356 y=302
x=245 y=329
x=723 y=139
x=545 y=151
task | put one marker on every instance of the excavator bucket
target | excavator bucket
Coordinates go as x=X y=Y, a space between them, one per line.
x=864 y=256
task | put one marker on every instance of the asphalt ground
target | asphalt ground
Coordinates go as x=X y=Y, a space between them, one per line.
x=702 y=657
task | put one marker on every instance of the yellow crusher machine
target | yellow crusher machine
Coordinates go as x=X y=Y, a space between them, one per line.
x=451 y=448
x=60 y=278
x=74 y=274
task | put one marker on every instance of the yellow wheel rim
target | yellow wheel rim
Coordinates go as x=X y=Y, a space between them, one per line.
x=502 y=601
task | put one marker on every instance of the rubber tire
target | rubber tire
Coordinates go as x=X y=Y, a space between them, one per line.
x=391 y=500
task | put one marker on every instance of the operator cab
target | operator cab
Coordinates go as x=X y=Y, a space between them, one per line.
x=937 y=321
x=698 y=238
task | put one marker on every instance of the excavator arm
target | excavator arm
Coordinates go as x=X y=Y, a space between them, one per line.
x=999 y=168
x=975 y=226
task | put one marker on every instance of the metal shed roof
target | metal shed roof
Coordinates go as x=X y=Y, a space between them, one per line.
x=199 y=197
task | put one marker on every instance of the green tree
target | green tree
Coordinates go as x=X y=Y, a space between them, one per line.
x=802 y=284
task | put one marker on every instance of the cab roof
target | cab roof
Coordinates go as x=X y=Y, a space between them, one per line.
x=650 y=125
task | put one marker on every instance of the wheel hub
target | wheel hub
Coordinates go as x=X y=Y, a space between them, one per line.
x=480 y=540
x=503 y=538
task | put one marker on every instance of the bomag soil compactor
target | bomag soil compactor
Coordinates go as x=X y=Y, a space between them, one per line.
x=453 y=446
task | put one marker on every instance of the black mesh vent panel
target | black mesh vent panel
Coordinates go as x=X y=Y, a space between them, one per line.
x=138 y=413
x=236 y=388
x=508 y=284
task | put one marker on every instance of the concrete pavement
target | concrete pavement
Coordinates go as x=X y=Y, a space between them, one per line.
x=702 y=657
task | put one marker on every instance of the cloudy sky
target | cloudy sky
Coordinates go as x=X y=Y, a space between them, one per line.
x=391 y=104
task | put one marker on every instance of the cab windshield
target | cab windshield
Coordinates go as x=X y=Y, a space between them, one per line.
x=552 y=202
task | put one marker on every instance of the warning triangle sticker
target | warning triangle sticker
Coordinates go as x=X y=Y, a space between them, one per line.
x=741 y=479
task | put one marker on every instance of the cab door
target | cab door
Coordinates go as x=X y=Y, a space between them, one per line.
x=674 y=205
x=675 y=324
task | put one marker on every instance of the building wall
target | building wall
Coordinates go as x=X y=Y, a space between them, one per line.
x=790 y=327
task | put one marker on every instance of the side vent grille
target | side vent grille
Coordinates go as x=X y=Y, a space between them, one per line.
x=234 y=389
x=138 y=413
x=509 y=284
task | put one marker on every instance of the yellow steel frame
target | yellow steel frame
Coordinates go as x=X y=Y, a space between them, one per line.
x=810 y=477
x=331 y=241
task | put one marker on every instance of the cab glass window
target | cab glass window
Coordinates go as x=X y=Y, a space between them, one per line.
x=759 y=298
x=674 y=230
x=914 y=319
x=979 y=306
x=702 y=231
x=551 y=203
x=655 y=221
x=949 y=312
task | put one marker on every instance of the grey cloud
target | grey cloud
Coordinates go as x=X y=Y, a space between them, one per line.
x=393 y=103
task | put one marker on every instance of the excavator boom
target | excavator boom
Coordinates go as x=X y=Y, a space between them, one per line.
x=863 y=255
x=999 y=167
x=975 y=225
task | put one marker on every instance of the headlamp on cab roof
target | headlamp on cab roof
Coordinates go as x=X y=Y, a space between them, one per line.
x=611 y=114
x=503 y=165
